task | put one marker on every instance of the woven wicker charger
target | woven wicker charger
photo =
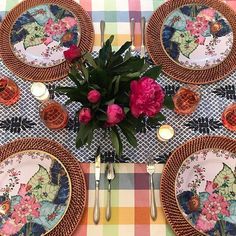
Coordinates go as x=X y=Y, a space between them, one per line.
x=79 y=192
x=170 y=205
x=171 y=68
x=36 y=73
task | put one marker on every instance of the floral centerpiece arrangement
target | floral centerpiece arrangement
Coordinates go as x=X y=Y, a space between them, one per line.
x=117 y=93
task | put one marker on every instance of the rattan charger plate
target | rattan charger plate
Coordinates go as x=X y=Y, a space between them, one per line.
x=202 y=55
x=58 y=68
x=78 y=194
x=175 y=217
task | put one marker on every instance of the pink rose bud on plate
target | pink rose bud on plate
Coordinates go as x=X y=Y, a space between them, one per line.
x=85 y=115
x=115 y=114
x=72 y=53
x=94 y=96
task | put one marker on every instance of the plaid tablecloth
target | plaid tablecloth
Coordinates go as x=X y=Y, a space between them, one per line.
x=130 y=194
x=130 y=204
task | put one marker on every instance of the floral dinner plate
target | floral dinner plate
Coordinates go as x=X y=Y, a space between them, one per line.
x=198 y=187
x=35 y=191
x=42 y=33
x=42 y=188
x=35 y=33
x=206 y=191
x=193 y=40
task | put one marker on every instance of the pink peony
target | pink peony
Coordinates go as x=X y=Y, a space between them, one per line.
x=85 y=115
x=10 y=227
x=72 y=53
x=215 y=205
x=55 y=28
x=94 y=96
x=146 y=97
x=115 y=114
x=211 y=187
x=197 y=27
x=28 y=206
x=203 y=224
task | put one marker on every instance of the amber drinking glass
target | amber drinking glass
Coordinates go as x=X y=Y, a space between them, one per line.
x=229 y=117
x=53 y=115
x=186 y=100
x=9 y=91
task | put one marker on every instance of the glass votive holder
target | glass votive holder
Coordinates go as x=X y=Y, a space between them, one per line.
x=9 y=91
x=186 y=100
x=40 y=91
x=53 y=115
x=165 y=133
x=229 y=117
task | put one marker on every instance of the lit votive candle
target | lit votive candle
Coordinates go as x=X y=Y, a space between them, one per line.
x=165 y=133
x=40 y=91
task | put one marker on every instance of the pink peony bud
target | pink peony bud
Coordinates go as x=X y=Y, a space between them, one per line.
x=115 y=114
x=94 y=96
x=72 y=53
x=85 y=115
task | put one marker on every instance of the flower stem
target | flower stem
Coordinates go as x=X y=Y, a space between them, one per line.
x=222 y=228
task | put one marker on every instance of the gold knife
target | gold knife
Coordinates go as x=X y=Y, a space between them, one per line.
x=96 y=211
x=143 y=24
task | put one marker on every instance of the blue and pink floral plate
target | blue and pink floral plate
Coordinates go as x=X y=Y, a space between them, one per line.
x=38 y=32
x=198 y=187
x=193 y=40
x=35 y=192
x=42 y=187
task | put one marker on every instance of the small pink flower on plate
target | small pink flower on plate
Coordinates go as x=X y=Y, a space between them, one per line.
x=10 y=227
x=211 y=187
x=197 y=27
x=55 y=28
x=203 y=224
x=215 y=205
x=28 y=206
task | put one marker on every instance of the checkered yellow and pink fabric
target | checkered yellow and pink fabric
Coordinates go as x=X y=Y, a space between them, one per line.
x=130 y=194
x=130 y=203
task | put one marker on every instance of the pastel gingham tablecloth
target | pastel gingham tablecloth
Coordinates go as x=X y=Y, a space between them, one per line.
x=130 y=189
x=130 y=204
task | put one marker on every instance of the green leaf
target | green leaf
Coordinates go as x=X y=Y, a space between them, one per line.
x=168 y=103
x=117 y=84
x=226 y=172
x=153 y=73
x=187 y=42
x=130 y=66
x=64 y=90
x=68 y=102
x=123 y=48
x=128 y=134
x=41 y=177
x=127 y=55
x=90 y=60
x=47 y=192
x=84 y=131
x=126 y=110
x=31 y=41
x=79 y=142
x=160 y=117
x=105 y=52
x=85 y=72
x=152 y=121
x=116 y=141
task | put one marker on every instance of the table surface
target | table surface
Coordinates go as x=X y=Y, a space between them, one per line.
x=130 y=196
